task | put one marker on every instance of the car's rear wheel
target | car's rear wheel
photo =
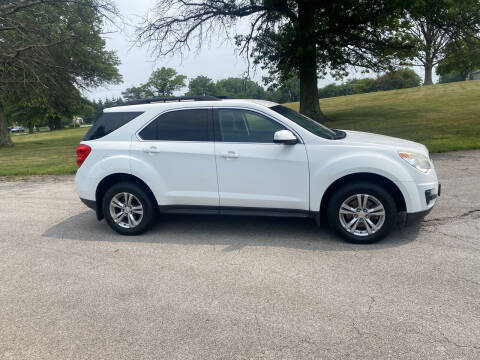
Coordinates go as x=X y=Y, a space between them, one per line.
x=362 y=212
x=128 y=209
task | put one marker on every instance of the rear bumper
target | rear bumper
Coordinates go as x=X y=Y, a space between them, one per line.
x=93 y=205
x=90 y=203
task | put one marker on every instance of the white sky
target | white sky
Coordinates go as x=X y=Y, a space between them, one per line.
x=217 y=61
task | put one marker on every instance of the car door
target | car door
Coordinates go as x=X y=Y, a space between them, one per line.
x=253 y=171
x=178 y=145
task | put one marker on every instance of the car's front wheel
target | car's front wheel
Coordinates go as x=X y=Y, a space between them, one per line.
x=128 y=209
x=362 y=212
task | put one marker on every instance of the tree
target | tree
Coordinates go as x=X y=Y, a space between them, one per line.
x=449 y=78
x=436 y=23
x=361 y=86
x=30 y=114
x=49 y=107
x=287 y=91
x=431 y=39
x=201 y=85
x=240 y=88
x=288 y=37
x=48 y=47
x=461 y=57
x=398 y=79
x=164 y=82
x=134 y=93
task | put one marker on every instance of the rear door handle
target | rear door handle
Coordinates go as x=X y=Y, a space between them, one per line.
x=230 y=155
x=151 y=149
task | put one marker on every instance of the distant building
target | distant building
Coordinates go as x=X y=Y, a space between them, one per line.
x=474 y=75
x=77 y=121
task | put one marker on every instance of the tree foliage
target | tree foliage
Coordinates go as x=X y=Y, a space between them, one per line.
x=240 y=88
x=436 y=24
x=450 y=77
x=287 y=91
x=461 y=57
x=288 y=37
x=201 y=85
x=162 y=82
x=49 y=49
x=397 y=79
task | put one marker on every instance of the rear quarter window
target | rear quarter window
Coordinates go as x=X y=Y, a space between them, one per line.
x=108 y=123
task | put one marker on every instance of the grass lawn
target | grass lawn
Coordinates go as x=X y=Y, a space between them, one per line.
x=444 y=117
x=42 y=153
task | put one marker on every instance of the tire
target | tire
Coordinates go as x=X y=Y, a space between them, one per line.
x=369 y=226
x=132 y=219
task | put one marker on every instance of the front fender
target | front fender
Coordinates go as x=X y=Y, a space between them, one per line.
x=323 y=174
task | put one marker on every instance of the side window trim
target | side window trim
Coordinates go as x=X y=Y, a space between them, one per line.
x=216 y=125
x=156 y=116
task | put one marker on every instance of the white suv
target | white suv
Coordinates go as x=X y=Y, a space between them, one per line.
x=248 y=157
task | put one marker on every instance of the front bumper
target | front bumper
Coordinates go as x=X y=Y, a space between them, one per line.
x=431 y=196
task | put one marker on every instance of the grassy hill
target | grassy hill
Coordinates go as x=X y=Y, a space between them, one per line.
x=443 y=117
x=42 y=153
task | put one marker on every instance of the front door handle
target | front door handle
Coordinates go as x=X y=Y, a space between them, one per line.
x=151 y=149
x=230 y=155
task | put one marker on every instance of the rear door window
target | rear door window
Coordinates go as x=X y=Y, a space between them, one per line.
x=180 y=125
x=108 y=123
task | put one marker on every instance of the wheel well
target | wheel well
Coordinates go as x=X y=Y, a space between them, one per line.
x=109 y=181
x=375 y=178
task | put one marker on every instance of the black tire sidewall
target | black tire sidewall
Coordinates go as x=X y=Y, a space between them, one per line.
x=348 y=190
x=149 y=209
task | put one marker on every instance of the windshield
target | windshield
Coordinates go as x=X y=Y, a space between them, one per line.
x=305 y=122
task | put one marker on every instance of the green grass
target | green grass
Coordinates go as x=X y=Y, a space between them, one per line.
x=444 y=117
x=41 y=153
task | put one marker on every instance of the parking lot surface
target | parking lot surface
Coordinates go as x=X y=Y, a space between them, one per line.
x=200 y=287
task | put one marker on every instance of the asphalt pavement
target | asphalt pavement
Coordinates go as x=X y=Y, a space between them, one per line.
x=207 y=287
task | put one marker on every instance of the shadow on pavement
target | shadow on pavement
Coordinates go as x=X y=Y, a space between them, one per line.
x=234 y=232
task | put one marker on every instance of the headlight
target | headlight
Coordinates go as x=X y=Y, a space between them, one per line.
x=418 y=161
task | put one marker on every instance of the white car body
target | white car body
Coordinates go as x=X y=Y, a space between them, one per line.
x=249 y=175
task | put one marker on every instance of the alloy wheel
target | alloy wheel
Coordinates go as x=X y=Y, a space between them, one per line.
x=126 y=210
x=362 y=214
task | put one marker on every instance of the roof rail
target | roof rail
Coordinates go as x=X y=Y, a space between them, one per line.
x=171 y=99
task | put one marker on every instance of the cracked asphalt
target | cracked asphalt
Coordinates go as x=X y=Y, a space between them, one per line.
x=199 y=287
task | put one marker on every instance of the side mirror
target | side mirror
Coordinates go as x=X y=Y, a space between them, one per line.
x=285 y=137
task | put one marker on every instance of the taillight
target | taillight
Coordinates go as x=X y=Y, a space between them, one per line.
x=82 y=153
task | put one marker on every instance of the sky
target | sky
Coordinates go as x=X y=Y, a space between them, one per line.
x=217 y=60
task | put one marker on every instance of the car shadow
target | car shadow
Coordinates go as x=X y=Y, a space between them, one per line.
x=232 y=232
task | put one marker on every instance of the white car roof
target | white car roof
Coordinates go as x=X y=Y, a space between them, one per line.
x=190 y=103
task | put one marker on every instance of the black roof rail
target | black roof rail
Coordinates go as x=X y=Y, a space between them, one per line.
x=171 y=99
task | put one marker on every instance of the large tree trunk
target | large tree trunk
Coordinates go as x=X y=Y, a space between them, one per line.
x=55 y=123
x=5 y=139
x=309 y=104
x=58 y=123
x=51 y=123
x=428 y=74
